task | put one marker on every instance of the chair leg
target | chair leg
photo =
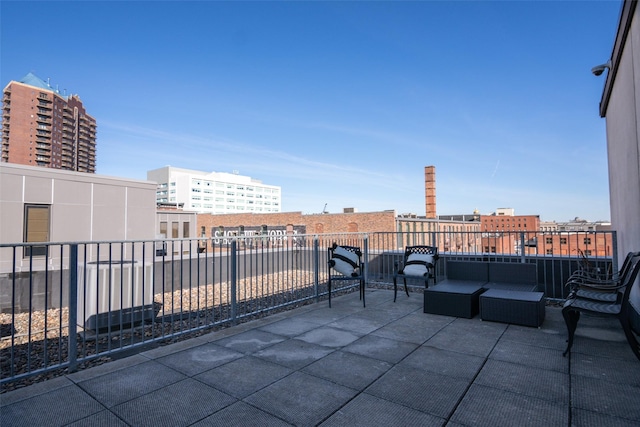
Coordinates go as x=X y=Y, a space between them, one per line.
x=404 y=279
x=571 y=318
x=395 y=288
x=329 y=284
x=632 y=339
x=364 y=304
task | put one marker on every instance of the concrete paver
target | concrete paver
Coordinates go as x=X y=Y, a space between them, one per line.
x=386 y=364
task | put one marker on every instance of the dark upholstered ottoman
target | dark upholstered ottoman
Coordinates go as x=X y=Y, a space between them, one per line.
x=453 y=298
x=517 y=307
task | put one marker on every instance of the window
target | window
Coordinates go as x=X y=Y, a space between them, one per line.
x=163 y=229
x=36 y=228
x=587 y=240
x=174 y=230
x=185 y=229
x=563 y=240
x=549 y=240
x=203 y=232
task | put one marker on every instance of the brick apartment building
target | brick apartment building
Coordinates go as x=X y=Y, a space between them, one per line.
x=41 y=127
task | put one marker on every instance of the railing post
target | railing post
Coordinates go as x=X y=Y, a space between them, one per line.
x=366 y=258
x=522 y=247
x=73 y=307
x=316 y=267
x=614 y=253
x=234 y=280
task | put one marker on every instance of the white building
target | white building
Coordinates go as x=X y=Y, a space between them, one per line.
x=214 y=192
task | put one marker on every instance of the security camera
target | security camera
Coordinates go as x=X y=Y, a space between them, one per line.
x=599 y=69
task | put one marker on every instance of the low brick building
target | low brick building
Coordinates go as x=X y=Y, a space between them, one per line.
x=352 y=222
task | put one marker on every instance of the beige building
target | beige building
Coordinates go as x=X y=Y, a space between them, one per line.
x=49 y=205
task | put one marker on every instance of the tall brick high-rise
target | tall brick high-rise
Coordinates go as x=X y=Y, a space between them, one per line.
x=41 y=127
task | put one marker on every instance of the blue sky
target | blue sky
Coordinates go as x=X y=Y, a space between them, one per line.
x=342 y=103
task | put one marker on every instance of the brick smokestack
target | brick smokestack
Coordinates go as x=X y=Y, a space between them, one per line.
x=430 y=191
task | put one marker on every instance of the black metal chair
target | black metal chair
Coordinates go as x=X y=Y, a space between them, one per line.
x=621 y=308
x=598 y=287
x=419 y=262
x=347 y=261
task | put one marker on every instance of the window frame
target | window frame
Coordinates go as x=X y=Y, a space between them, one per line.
x=38 y=250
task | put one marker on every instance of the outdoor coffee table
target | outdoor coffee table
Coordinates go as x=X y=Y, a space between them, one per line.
x=458 y=298
x=509 y=306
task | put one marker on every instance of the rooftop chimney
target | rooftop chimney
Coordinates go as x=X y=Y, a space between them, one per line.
x=430 y=191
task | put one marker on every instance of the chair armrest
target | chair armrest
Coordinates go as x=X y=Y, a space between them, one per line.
x=595 y=284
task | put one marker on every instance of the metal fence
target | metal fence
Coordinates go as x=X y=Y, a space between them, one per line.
x=63 y=305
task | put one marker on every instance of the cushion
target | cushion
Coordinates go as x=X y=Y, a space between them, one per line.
x=344 y=261
x=417 y=264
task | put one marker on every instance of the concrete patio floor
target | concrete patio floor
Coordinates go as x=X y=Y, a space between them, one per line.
x=388 y=364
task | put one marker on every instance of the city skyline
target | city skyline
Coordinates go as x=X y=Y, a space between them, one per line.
x=343 y=103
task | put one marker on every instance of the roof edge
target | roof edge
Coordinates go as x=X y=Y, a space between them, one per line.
x=624 y=26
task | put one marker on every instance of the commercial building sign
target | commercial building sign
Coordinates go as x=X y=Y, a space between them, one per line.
x=257 y=235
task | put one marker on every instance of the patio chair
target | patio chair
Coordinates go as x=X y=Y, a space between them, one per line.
x=347 y=262
x=598 y=287
x=626 y=307
x=419 y=262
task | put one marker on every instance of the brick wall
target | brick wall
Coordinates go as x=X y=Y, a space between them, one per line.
x=383 y=221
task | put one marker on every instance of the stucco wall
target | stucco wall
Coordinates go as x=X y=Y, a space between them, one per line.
x=623 y=143
x=84 y=207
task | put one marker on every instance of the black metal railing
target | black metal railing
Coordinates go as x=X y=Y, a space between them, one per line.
x=66 y=304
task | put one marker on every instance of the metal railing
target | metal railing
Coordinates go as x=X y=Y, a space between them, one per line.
x=63 y=305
